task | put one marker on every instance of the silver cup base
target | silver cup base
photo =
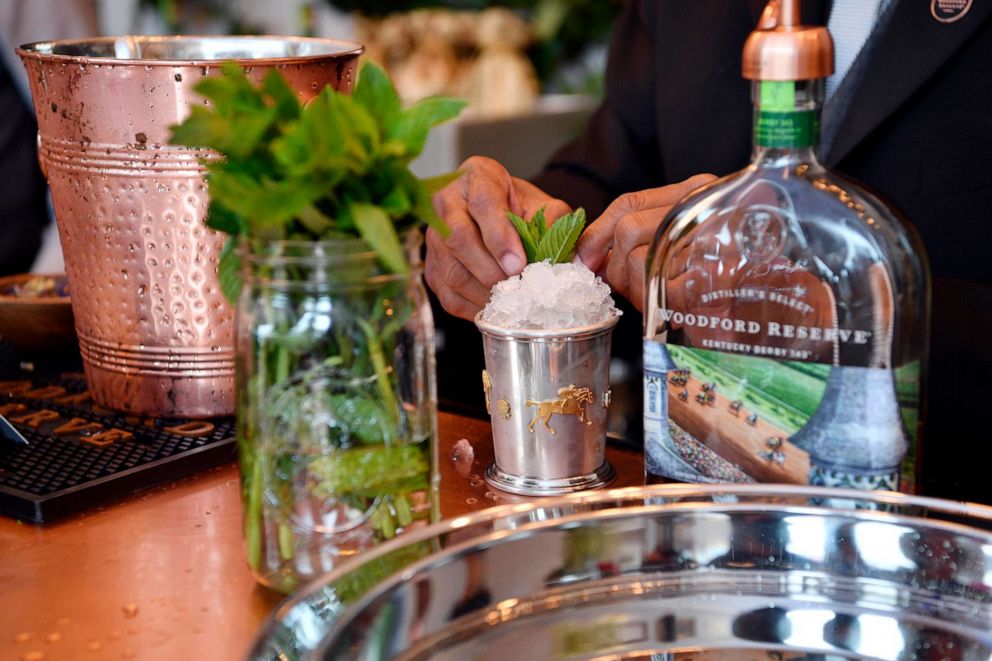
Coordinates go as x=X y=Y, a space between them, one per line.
x=536 y=486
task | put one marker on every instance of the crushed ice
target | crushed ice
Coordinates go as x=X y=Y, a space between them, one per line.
x=463 y=451
x=463 y=454
x=550 y=297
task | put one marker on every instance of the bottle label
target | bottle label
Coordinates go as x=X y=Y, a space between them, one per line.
x=742 y=416
x=779 y=124
x=786 y=130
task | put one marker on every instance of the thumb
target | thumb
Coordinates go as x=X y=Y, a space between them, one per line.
x=597 y=240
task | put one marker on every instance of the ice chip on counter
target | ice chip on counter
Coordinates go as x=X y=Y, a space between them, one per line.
x=550 y=297
x=463 y=451
x=463 y=454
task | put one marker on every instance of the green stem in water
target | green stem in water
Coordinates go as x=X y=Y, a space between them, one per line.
x=381 y=370
x=285 y=541
x=404 y=516
x=384 y=522
x=253 y=517
x=282 y=364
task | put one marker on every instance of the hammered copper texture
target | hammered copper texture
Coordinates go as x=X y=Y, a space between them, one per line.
x=155 y=332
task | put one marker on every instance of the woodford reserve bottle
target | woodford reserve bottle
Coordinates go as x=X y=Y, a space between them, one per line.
x=787 y=308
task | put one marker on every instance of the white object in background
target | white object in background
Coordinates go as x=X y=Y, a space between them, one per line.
x=118 y=16
x=331 y=23
x=522 y=143
x=49 y=258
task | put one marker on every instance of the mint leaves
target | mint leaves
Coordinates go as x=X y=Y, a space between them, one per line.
x=339 y=166
x=555 y=243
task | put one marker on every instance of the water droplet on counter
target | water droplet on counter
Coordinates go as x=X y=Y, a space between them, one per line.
x=94 y=646
x=130 y=610
x=22 y=637
x=53 y=637
x=33 y=656
x=471 y=501
x=115 y=635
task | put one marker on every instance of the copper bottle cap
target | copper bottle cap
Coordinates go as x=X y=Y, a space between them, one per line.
x=781 y=48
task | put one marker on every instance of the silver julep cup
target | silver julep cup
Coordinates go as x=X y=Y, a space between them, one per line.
x=547 y=393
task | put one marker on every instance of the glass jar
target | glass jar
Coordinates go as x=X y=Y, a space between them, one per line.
x=336 y=405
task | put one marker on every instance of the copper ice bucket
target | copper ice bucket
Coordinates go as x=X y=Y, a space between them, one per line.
x=155 y=333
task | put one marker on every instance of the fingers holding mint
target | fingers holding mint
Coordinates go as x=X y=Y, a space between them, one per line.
x=625 y=218
x=482 y=248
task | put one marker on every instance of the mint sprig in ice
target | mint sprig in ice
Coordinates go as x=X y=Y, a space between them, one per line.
x=552 y=292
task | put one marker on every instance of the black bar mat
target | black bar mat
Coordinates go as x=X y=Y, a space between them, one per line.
x=80 y=455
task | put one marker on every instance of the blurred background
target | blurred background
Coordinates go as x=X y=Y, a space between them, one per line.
x=520 y=63
x=532 y=71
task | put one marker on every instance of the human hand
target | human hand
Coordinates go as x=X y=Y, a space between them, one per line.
x=483 y=247
x=616 y=244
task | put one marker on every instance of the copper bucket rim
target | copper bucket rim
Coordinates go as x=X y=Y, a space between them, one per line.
x=35 y=50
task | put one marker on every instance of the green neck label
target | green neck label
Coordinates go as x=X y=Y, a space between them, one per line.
x=778 y=124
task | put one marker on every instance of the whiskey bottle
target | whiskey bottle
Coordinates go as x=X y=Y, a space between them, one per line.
x=786 y=312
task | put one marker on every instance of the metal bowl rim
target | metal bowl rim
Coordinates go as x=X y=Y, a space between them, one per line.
x=32 y=51
x=976 y=510
x=468 y=546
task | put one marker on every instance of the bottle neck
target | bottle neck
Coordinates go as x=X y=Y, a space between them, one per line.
x=786 y=121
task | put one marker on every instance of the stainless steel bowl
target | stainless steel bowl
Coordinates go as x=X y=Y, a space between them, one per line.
x=664 y=572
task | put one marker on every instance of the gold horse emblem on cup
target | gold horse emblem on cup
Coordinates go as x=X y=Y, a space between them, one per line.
x=570 y=401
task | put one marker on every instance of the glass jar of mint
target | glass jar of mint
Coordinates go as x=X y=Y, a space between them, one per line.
x=336 y=404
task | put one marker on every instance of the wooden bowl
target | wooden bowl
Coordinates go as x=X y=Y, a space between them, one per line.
x=34 y=323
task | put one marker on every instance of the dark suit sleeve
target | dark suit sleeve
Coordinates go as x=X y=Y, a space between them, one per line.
x=618 y=151
x=23 y=207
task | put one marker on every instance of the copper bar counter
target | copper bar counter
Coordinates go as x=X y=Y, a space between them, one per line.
x=162 y=574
